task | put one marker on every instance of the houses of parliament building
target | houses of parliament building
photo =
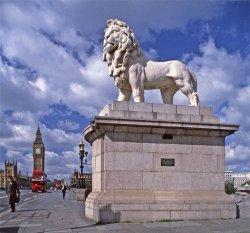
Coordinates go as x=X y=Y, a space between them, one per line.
x=11 y=167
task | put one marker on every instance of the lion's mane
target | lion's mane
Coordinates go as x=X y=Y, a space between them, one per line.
x=127 y=48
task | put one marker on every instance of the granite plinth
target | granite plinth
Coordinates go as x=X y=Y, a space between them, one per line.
x=131 y=181
x=81 y=194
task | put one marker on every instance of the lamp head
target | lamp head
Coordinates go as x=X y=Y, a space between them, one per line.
x=81 y=146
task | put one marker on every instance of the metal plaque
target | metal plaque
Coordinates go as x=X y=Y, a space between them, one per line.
x=167 y=162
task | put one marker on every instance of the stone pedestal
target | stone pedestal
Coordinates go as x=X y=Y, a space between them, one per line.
x=155 y=162
x=81 y=194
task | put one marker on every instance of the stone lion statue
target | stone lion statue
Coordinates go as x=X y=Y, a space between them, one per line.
x=133 y=72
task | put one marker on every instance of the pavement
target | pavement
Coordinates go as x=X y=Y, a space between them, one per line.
x=51 y=214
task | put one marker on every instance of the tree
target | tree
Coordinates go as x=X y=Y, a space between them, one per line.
x=229 y=188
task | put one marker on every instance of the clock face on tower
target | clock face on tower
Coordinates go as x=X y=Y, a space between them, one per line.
x=38 y=151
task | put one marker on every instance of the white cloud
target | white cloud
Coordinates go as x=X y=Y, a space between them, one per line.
x=24 y=161
x=237 y=158
x=50 y=52
x=219 y=74
x=53 y=47
x=142 y=15
x=19 y=131
x=220 y=78
x=39 y=83
x=152 y=54
x=95 y=87
x=62 y=165
x=67 y=125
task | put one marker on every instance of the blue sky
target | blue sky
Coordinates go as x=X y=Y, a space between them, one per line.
x=52 y=73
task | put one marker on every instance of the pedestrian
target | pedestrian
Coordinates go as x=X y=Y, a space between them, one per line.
x=64 y=190
x=13 y=192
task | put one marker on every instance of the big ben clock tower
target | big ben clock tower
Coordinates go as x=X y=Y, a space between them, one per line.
x=38 y=152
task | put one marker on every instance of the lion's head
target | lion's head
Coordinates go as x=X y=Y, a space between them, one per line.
x=119 y=46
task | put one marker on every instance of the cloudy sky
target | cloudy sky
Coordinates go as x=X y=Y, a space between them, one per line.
x=52 y=73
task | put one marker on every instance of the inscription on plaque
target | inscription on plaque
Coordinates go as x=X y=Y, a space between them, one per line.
x=167 y=162
x=167 y=136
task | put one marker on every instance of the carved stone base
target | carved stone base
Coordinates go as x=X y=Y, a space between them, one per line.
x=134 y=206
x=81 y=194
x=153 y=161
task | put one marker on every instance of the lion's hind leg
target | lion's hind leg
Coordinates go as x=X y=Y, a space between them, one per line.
x=192 y=96
x=188 y=90
x=194 y=99
x=167 y=94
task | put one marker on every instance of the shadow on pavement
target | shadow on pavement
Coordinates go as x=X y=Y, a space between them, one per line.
x=9 y=230
x=75 y=228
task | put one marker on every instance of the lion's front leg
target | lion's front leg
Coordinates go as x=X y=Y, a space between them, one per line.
x=136 y=83
x=124 y=94
x=138 y=98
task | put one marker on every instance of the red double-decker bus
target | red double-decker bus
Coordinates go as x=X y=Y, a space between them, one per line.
x=58 y=185
x=39 y=181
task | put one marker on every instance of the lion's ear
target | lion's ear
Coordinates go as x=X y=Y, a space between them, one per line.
x=119 y=23
x=110 y=21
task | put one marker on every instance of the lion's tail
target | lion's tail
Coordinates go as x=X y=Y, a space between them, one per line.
x=194 y=80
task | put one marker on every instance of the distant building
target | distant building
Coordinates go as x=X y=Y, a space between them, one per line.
x=74 y=179
x=2 y=179
x=228 y=177
x=38 y=164
x=244 y=189
x=240 y=179
x=237 y=179
x=11 y=169
x=24 y=181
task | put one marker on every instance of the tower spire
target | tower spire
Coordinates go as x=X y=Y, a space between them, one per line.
x=38 y=135
x=38 y=130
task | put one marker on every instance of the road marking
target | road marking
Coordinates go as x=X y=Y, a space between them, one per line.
x=27 y=199
x=21 y=204
x=21 y=194
x=25 y=193
x=1 y=208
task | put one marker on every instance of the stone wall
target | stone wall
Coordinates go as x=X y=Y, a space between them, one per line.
x=130 y=144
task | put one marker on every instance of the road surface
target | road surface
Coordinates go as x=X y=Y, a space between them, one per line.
x=25 y=196
x=48 y=212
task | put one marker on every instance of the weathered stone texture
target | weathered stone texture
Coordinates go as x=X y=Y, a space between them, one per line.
x=129 y=182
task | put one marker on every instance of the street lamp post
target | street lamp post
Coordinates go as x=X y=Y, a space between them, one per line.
x=82 y=154
x=76 y=177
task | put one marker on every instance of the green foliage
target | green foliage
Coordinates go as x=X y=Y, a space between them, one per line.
x=229 y=188
x=51 y=184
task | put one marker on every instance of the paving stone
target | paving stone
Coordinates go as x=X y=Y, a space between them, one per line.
x=69 y=217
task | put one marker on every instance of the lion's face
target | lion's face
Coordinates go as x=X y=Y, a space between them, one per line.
x=112 y=38
x=118 y=45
